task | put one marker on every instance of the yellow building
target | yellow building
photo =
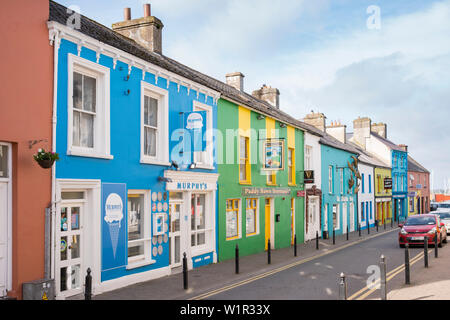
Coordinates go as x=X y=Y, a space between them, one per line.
x=383 y=194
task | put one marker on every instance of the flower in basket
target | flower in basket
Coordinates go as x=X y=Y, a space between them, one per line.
x=45 y=158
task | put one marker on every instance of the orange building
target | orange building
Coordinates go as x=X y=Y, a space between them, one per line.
x=26 y=99
x=441 y=197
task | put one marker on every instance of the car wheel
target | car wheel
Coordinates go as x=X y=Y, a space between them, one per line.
x=401 y=245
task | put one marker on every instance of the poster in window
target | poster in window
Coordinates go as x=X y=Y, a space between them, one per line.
x=231 y=225
x=273 y=154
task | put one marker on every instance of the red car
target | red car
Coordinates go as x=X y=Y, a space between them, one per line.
x=417 y=227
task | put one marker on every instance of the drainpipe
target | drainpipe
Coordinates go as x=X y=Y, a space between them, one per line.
x=56 y=42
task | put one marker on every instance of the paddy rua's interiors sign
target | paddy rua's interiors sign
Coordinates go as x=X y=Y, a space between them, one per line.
x=388 y=183
x=262 y=192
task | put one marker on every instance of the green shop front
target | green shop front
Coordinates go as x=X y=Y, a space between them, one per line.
x=260 y=191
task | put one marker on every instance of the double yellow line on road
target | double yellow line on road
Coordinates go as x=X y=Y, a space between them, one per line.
x=268 y=273
x=367 y=291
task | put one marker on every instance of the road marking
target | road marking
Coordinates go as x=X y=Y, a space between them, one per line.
x=389 y=276
x=277 y=270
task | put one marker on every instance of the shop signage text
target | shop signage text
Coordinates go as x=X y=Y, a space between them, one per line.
x=261 y=192
x=388 y=183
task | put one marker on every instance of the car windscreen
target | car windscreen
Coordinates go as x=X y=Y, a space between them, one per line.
x=444 y=205
x=420 y=221
x=444 y=215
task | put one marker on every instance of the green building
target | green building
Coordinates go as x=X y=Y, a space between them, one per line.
x=260 y=188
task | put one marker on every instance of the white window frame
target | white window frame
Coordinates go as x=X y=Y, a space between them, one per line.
x=162 y=137
x=208 y=153
x=101 y=133
x=9 y=217
x=146 y=258
x=330 y=180
x=308 y=157
x=342 y=181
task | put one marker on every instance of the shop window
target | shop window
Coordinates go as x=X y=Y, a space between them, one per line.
x=198 y=223
x=88 y=109
x=205 y=158
x=308 y=158
x=232 y=219
x=271 y=178
x=251 y=216
x=4 y=161
x=330 y=180
x=244 y=160
x=291 y=166
x=139 y=225
x=342 y=180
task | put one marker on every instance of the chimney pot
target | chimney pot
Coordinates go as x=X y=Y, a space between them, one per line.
x=127 y=14
x=236 y=80
x=147 y=10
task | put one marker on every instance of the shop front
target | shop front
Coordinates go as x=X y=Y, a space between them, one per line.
x=192 y=211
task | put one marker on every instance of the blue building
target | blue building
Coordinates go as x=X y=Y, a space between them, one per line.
x=339 y=186
x=400 y=182
x=131 y=193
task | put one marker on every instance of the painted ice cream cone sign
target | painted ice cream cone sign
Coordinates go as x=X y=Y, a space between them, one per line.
x=113 y=217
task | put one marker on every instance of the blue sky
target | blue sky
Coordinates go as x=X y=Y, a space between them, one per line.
x=322 y=56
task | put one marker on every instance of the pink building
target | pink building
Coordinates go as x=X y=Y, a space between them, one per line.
x=418 y=188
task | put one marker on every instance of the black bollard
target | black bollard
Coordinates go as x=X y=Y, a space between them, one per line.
x=359 y=229
x=425 y=251
x=342 y=287
x=392 y=223
x=88 y=286
x=407 y=278
x=383 y=288
x=347 y=233
x=384 y=224
x=237 y=260
x=436 y=244
x=295 y=245
x=376 y=223
x=368 y=226
x=317 y=240
x=185 y=272
x=268 y=252
x=334 y=236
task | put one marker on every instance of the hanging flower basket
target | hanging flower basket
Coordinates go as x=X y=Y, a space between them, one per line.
x=45 y=159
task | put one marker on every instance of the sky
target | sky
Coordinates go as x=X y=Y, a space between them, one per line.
x=387 y=60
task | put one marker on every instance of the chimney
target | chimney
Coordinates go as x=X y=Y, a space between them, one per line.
x=268 y=94
x=380 y=129
x=404 y=147
x=317 y=120
x=236 y=80
x=147 y=31
x=338 y=131
x=361 y=131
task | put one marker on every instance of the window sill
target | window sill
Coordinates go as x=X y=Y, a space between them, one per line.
x=78 y=153
x=204 y=166
x=155 y=162
x=252 y=234
x=139 y=264
x=245 y=183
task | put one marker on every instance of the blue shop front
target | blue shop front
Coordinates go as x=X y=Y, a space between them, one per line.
x=135 y=186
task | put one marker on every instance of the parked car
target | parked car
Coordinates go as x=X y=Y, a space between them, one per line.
x=445 y=218
x=417 y=227
x=433 y=206
x=442 y=206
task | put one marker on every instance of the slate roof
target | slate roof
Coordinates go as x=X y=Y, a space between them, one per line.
x=91 y=28
x=369 y=158
x=414 y=166
x=335 y=143
x=387 y=142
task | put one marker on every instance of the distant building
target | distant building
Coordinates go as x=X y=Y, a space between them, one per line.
x=418 y=188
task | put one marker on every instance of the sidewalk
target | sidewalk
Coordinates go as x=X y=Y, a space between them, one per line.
x=216 y=276
x=432 y=283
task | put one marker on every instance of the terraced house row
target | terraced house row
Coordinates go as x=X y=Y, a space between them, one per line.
x=158 y=161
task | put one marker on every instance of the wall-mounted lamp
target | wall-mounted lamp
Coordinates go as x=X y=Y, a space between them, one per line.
x=127 y=93
x=193 y=166
x=282 y=125
x=164 y=179
x=260 y=117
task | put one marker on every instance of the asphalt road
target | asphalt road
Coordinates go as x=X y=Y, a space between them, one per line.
x=318 y=279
